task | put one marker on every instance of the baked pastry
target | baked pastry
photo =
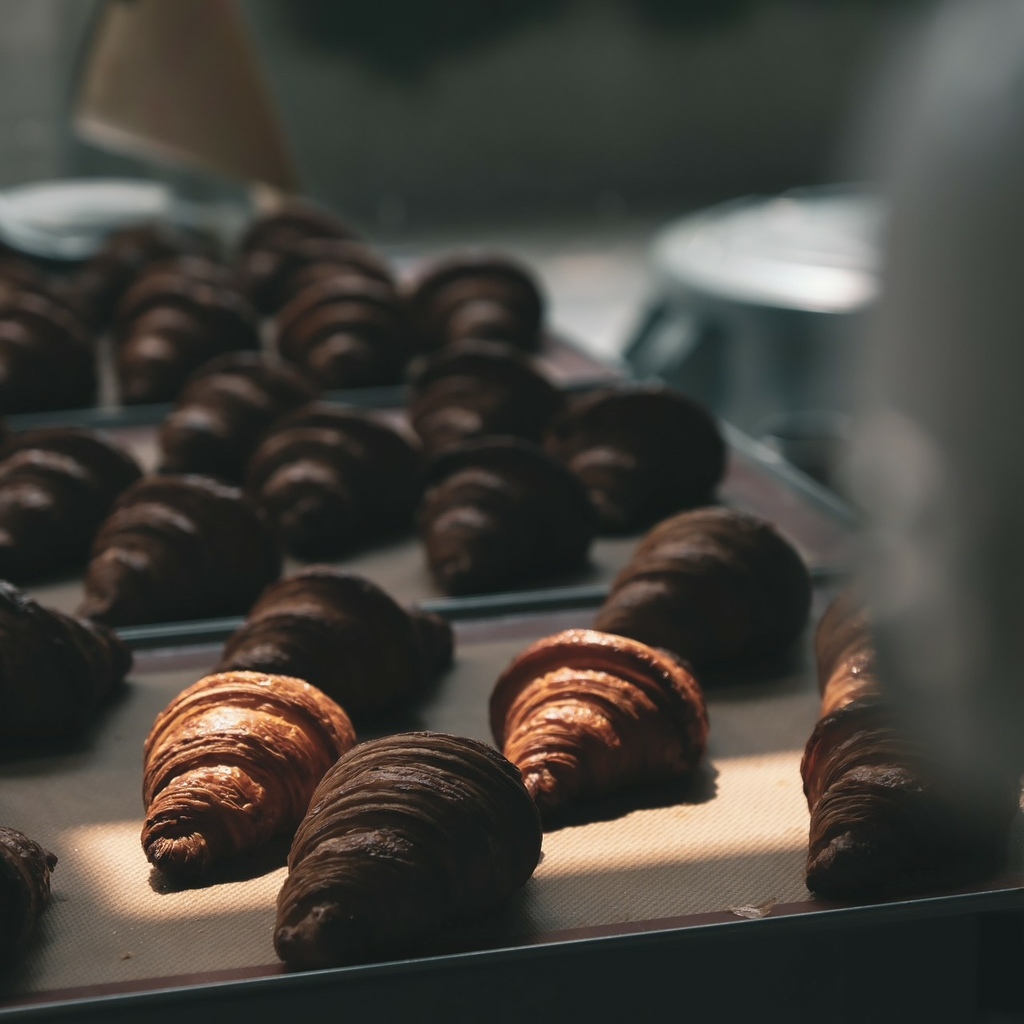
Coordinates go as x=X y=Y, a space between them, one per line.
x=499 y=512
x=25 y=869
x=586 y=714
x=56 y=670
x=178 y=547
x=98 y=284
x=47 y=358
x=346 y=331
x=223 y=410
x=57 y=484
x=177 y=315
x=231 y=763
x=885 y=817
x=271 y=236
x=715 y=585
x=478 y=388
x=465 y=295
x=641 y=451
x=405 y=836
x=345 y=635
x=331 y=479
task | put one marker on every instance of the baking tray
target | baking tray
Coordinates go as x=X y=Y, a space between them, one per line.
x=671 y=876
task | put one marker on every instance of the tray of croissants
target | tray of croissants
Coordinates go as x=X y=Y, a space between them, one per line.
x=292 y=681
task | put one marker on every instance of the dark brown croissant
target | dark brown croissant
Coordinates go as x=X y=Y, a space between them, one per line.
x=586 y=714
x=224 y=408
x=479 y=388
x=476 y=295
x=331 y=479
x=97 y=286
x=347 y=332
x=345 y=635
x=177 y=315
x=55 y=669
x=178 y=547
x=269 y=240
x=498 y=512
x=404 y=836
x=57 y=484
x=714 y=585
x=886 y=819
x=47 y=359
x=231 y=763
x=24 y=888
x=642 y=452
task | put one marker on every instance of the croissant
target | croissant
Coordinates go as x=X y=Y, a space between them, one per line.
x=178 y=547
x=347 y=331
x=57 y=484
x=56 y=670
x=24 y=888
x=586 y=714
x=885 y=818
x=268 y=241
x=405 y=836
x=331 y=479
x=345 y=635
x=47 y=360
x=642 y=452
x=231 y=763
x=97 y=286
x=468 y=295
x=498 y=512
x=176 y=316
x=223 y=410
x=476 y=388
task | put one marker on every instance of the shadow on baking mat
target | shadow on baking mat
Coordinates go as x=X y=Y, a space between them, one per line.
x=269 y=858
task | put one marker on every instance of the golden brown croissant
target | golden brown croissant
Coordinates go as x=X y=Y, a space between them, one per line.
x=331 y=479
x=224 y=408
x=499 y=512
x=24 y=888
x=177 y=315
x=346 y=331
x=47 y=358
x=345 y=635
x=714 y=585
x=178 y=547
x=886 y=818
x=642 y=452
x=467 y=295
x=477 y=388
x=405 y=836
x=56 y=670
x=231 y=763
x=586 y=714
x=268 y=242
x=57 y=484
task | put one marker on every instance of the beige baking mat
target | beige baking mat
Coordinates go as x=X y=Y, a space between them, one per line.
x=732 y=838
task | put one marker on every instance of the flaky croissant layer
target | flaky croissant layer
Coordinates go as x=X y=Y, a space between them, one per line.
x=25 y=869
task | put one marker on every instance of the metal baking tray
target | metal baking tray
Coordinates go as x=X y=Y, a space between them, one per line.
x=700 y=885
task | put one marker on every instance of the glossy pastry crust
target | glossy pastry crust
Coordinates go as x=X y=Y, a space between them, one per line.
x=886 y=817
x=57 y=484
x=345 y=635
x=587 y=714
x=499 y=512
x=178 y=547
x=56 y=670
x=232 y=762
x=405 y=836
x=25 y=869
x=717 y=586
x=643 y=452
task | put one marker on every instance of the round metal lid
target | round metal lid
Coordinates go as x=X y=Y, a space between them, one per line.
x=813 y=250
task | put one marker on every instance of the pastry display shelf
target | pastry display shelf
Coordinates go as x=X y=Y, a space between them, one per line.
x=692 y=894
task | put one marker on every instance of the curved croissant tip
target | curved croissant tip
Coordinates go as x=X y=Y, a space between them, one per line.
x=851 y=862
x=542 y=786
x=183 y=857
x=322 y=937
